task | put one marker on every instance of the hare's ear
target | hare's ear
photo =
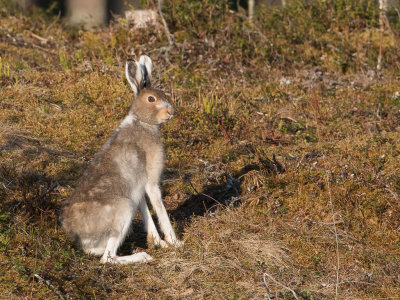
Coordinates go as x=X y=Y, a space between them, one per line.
x=134 y=75
x=147 y=67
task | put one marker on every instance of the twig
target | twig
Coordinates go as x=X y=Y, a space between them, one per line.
x=44 y=49
x=398 y=12
x=198 y=193
x=394 y=194
x=48 y=283
x=167 y=32
x=52 y=23
x=336 y=238
x=266 y=287
x=300 y=161
x=38 y=37
x=256 y=29
x=280 y=284
x=54 y=185
x=277 y=165
x=161 y=49
x=205 y=195
x=223 y=130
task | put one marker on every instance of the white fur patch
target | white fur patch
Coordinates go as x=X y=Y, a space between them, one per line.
x=163 y=105
x=127 y=121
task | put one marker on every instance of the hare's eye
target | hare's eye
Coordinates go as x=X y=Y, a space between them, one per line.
x=151 y=99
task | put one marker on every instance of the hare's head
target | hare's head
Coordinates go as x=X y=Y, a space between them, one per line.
x=150 y=105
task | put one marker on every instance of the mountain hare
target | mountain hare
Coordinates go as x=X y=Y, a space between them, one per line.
x=100 y=211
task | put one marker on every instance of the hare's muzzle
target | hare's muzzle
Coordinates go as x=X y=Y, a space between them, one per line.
x=165 y=112
x=170 y=111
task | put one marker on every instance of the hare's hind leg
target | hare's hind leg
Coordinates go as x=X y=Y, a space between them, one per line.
x=154 y=193
x=152 y=234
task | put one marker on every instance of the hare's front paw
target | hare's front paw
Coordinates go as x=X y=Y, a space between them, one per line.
x=156 y=241
x=179 y=243
x=161 y=244
x=176 y=243
x=172 y=240
x=103 y=260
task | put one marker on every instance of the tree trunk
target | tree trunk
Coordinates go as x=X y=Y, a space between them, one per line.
x=251 y=4
x=383 y=5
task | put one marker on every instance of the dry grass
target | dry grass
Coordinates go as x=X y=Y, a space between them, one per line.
x=282 y=160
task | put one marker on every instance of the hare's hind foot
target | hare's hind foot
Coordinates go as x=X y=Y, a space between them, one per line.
x=128 y=259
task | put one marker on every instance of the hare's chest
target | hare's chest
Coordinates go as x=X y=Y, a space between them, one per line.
x=154 y=164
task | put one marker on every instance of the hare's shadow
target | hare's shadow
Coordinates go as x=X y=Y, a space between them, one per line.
x=208 y=200
x=215 y=196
